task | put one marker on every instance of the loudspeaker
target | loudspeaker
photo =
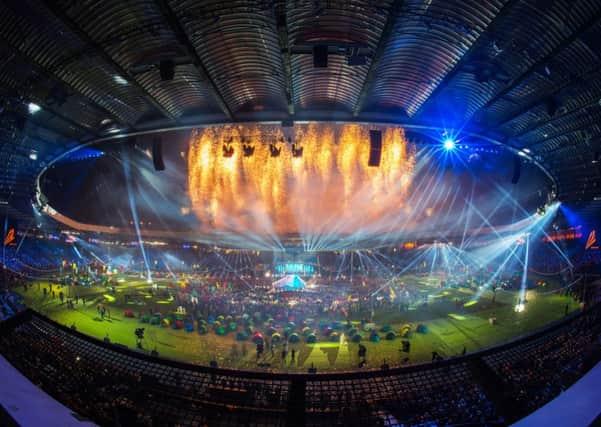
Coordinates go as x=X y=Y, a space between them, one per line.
x=517 y=170
x=320 y=56
x=157 y=154
x=375 y=147
x=167 y=69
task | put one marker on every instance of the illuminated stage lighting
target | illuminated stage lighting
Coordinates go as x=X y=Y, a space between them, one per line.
x=274 y=150
x=297 y=151
x=33 y=108
x=228 y=150
x=248 y=150
x=448 y=144
x=120 y=80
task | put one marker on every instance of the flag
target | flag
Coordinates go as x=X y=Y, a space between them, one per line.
x=9 y=239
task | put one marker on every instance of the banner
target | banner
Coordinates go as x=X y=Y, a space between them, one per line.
x=591 y=241
x=10 y=238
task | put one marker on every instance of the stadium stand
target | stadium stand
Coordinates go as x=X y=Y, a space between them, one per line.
x=10 y=302
x=578 y=406
x=114 y=385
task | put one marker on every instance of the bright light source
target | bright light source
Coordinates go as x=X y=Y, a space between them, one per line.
x=541 y=210
x=119 y=80
x=521 y=153
x=33 y=108
x=33 y=155
x=526 y=150
x=448 y=144
x=520 y=308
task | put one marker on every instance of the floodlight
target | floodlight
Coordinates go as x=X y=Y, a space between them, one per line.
x=448 y=144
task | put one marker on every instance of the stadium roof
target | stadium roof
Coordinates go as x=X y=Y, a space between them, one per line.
x=524 y=72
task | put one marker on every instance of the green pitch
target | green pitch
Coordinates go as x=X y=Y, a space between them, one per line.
x=449 y=329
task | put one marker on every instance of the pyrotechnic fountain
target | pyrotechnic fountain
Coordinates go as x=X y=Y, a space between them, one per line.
x=255 y=181
x=309 y=187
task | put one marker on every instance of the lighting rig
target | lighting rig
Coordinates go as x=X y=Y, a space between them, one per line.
x=228 y=149
x=247 y=149
x=297 y=151
x=274 y=150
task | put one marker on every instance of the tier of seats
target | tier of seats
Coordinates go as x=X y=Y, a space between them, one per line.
x=110 y=384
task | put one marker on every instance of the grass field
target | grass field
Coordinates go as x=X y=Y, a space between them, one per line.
x=448 y=329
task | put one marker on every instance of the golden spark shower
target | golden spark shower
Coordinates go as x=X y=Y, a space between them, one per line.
x=264 y=181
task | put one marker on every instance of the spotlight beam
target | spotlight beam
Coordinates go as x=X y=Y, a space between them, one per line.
x=328 y=234
x=242 y=279
x=485 y=220
x=552 y=209
x=132 y=207
x=525 y=270
x=406 y=268
x=495 y=274
x=417 y=201
x=467 y=217
x=169 y=269
x=22 y=239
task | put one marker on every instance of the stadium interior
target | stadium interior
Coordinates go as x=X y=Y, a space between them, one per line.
x=301 y=212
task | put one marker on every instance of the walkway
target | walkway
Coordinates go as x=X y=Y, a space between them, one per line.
x=30 y=406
